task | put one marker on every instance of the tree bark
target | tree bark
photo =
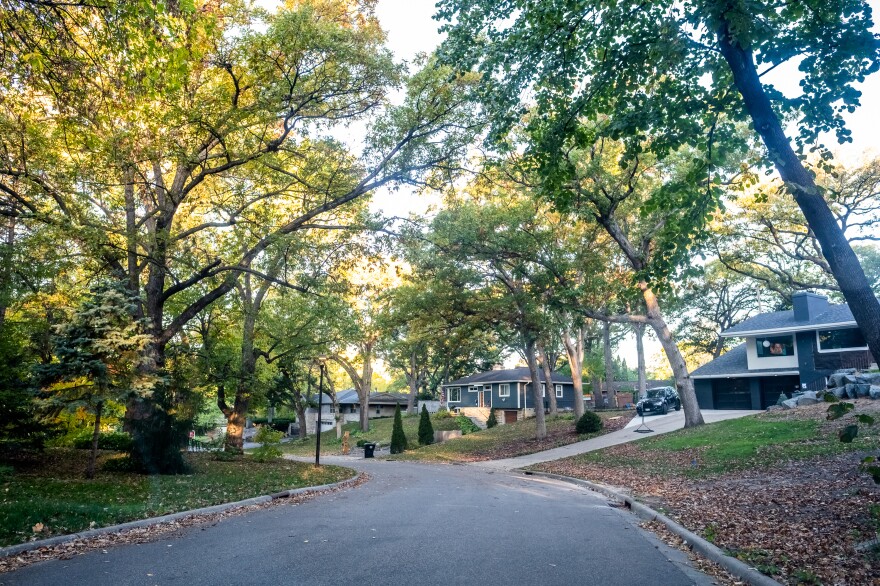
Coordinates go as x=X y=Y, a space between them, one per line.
x=639 y=330
x=609 y=364
x=96 y=434
x=836 y=249
x=6 y=268
x=548 y=377
x=683 y=381
x=537 y=400
x=574 y=349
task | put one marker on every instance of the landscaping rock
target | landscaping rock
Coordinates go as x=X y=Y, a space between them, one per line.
x=838 y=392
x=874 y=392
x=845 y=371
x=811 y=395
x=850 y=390
x=806 y=401
x=790 y=404
x=779 y=407
x=850 y=379
x=862 y=391
x=442 y=436
x=868 y=378
x=835 y=380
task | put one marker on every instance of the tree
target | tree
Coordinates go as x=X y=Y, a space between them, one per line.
x=398 y=438
x=667 y=71
x=426 y=430
x=99 y=351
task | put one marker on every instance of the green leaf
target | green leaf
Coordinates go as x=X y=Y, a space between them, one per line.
x=874 y=471
x=830 y=398
x=838 y=410
x=848 y=433
x=866 y=419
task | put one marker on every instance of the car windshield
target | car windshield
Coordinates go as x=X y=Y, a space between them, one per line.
x=654 y=393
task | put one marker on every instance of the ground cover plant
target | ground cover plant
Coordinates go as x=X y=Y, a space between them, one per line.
x=777 y=490
x=45 y=494
x=513 y=439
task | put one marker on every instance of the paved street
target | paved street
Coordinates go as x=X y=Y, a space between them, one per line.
x=411 y=524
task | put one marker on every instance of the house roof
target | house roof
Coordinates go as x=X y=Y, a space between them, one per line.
x=784 y=321
x=510 y=375
x=350 y=397
x=734 y=363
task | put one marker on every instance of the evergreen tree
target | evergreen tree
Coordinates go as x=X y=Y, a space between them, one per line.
x=426 y=430
x=492 y=421
x=398 y=438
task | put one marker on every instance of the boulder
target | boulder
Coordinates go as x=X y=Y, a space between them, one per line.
x=862 y=391
x=806 y=401
x=850 y=390
x=790 y=404
x=850 y=379
x=868 y=378
x=811 y=395
x=874 y=392
x=835 y=380
x=779 y=407
x=845 y=371
x=838 y=392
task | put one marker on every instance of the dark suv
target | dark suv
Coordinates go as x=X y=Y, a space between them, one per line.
x=661 y=400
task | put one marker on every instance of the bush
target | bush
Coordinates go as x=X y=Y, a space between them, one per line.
x=398 y=438
x=116 y=440
x=466 y=425
x=589 y=423
x=492 y=421
x=125 y=465
x=360 y=443
x=426 y=430
x=443 y=414
x=278 y=424
x=269 y=440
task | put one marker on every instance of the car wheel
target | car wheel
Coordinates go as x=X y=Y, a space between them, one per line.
x=639 y=412
x=678 y=406
x=665 y=409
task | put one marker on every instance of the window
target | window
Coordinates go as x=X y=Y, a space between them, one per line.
x=774 y=346
x=473 y=389
x=848 y=339
x=543 y=390
x=332 y=409
x=454 y=395
x=504 y=390
x=558 y=391
x=487 y=388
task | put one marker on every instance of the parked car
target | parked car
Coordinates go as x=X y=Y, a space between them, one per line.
x=661 y=400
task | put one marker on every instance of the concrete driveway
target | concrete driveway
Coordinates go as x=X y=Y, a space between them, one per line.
x=658 y=424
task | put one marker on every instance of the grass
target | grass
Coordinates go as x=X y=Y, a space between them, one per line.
x=380 y=432
x=727 y=446
x=49 y=489
x=503 y=441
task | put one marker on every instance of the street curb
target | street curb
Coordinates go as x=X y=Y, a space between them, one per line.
x=257 y=500
x=739 y=569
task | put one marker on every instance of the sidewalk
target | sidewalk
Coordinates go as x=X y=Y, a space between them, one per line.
x=657 y=423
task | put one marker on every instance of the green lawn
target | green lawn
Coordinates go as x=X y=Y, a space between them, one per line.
x=380 y=432
x=507 y=441
x=727 y=446
x=49 y=489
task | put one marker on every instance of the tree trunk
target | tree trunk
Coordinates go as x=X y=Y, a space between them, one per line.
x=96 y=434
x=836 y=249
x=6 y=271
x=366 y=385
x=537 y=400
x=548 y=377
x=412 y=380
x=639 y=330
x=609 y=364
x=683 y=380
x=574 y=349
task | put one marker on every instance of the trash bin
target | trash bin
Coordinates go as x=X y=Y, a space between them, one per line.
x=368 y=450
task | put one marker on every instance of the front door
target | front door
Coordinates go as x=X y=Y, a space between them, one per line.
x=485 y=398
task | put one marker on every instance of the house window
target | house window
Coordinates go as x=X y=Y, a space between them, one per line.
x=473 y=389
x=454 y=395
x=332 y=409
x=378 y=410
x=847 y=339
x=487 y=388
x=543 y=390
x=504 y=390
x=558 y=391
x=774 y=346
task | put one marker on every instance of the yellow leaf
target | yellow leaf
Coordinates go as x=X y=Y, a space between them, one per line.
x=38 y=527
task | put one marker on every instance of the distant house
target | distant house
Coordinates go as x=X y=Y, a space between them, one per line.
x=783 y=352
x=381 y=404
x=509 y=391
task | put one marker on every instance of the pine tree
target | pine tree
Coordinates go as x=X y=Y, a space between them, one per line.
x=398 y=438
x=492 y=421
x=426 y=430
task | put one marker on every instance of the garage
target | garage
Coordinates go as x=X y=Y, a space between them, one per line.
x=731 y=393
x=510 y=416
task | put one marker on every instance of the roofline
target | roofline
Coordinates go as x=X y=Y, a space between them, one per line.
x=521 y=380
x=746 y=374
x=791 y=329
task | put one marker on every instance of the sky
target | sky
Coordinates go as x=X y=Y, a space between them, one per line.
x=411 y=30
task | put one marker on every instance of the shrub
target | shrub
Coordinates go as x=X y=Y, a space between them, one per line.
x=398 y=438
x=360 y=443
x=443 y=414
x=589 y=423
x=466 y=425
x=426 y=430
x=492 y=421
x=269 y=440
x=124 y=464
x=116 y=440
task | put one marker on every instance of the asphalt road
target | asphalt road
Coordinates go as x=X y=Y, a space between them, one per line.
x=411 y=524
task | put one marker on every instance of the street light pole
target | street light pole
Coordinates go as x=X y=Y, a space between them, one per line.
x=318 y=426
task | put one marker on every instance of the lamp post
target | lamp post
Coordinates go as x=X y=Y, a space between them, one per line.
x=320 y=407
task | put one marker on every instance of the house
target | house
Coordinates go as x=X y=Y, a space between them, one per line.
x=783 y=352
x=509 y=391
x=381 y=404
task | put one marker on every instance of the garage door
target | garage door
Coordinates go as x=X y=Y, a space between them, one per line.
x=771 y=388
x=510 y=416
x=732 y=394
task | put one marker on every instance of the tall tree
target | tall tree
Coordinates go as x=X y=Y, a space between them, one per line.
x=669 y=71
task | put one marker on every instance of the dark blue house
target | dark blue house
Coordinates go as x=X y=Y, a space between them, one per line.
x=509 y=391
x=783 y=352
